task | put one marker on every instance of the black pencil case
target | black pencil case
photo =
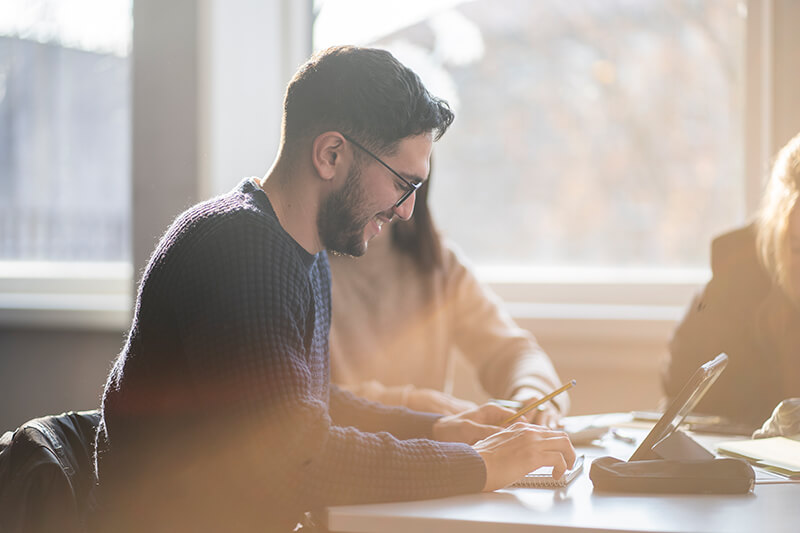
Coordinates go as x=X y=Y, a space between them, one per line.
x=707 y=476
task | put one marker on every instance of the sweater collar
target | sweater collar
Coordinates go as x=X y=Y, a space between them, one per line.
x=249 y=187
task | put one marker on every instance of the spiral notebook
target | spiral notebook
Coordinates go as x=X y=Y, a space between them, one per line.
x=543 y=477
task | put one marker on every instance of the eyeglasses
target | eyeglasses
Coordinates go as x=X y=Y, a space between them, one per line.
x=411 y=188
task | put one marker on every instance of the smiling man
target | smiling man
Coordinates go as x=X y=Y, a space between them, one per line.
x=218 y=414
x=345 y=223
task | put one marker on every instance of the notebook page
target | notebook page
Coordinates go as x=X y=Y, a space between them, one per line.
x=543 y=477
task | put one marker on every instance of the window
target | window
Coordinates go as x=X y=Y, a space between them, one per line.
x=64 y=148
x=604 y=137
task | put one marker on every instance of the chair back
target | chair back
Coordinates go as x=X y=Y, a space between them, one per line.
x=46 y=473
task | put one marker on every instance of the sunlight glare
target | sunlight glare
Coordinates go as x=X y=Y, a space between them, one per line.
x=93 y=25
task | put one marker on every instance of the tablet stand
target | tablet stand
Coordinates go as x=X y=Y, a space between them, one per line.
x=678 y=446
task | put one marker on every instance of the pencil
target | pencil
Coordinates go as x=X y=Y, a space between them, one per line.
x=539 y=402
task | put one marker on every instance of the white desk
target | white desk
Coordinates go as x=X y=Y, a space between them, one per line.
x=577 y=508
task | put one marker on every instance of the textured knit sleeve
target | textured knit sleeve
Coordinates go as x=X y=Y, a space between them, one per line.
x=245 y=313
x=507 y=357
x=347 y=409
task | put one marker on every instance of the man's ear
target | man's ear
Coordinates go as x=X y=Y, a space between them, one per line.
x=327 y=154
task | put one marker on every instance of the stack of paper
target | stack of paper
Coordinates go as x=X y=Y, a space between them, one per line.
x=776 y=454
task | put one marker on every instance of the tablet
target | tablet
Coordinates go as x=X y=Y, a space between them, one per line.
x=681 y=405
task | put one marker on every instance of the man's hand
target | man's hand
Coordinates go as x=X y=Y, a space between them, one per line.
x=434 y=401
x=522 y=448
x=473 y=425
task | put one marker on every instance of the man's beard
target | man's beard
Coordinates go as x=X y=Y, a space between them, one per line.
x=339 y=223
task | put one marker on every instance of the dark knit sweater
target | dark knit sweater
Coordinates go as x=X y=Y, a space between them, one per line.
x=220 y=401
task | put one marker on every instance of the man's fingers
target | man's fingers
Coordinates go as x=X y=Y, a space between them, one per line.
x=557 y=461
x=559 y=442
x=522 y=448
x=543 y=440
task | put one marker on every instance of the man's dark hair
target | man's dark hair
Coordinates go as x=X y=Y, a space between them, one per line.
x=363 y=92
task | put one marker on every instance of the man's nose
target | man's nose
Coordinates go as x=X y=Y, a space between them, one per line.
x=406 y=209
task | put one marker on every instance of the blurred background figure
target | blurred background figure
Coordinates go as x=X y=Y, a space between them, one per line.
x=402 y=310
x=750 y=309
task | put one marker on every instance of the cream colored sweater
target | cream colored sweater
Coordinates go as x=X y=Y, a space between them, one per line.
x=396 y=326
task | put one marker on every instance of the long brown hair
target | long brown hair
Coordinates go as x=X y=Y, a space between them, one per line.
x=418 y=236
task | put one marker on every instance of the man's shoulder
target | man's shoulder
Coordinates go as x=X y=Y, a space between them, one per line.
x=240 y=207
x=230 y=229
x=238 y=215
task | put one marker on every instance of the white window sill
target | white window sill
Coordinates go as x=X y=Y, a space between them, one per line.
x=648 y=323
x=596 y=303
x=66 y=295
x=567 y=303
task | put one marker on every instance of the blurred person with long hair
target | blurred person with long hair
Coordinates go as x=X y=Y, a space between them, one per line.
x=750 y=309
x=402 y=310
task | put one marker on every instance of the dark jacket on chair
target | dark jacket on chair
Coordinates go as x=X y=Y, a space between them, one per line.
x=46 y=473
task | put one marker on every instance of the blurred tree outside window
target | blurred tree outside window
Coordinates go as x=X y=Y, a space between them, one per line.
x=588 y=133
x=65 y=130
